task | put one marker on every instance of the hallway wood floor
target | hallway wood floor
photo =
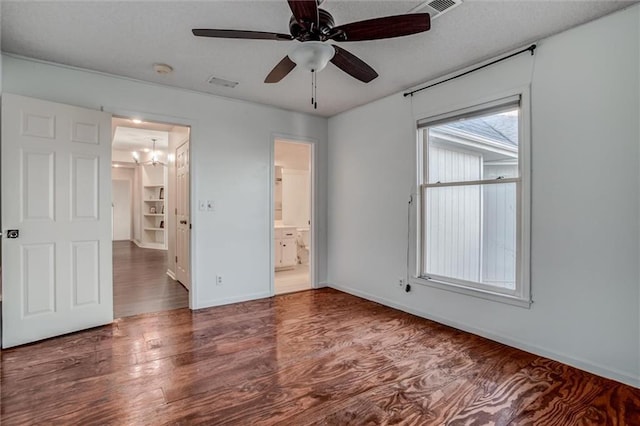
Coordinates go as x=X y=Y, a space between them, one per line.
x=140 y=281
x=314 y=357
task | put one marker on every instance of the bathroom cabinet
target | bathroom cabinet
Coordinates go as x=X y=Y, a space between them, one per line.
x=286 y=253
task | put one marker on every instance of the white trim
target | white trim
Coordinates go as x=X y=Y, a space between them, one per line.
x=122 y=112
x=171 y=274
x=150 y=246
x=314 y=255
x=453 y=285
x=235 y=299
x=471 y=182
x=597 y=369
x=522 y=295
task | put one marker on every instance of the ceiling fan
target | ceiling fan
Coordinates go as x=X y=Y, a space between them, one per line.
x=313 y=26
x=154 y=160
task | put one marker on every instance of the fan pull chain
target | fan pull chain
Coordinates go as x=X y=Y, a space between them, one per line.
x=314 y=89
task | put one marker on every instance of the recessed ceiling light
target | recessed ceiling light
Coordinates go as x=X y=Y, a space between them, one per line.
x=146 y=150
x=162 y=68
x=136 y=121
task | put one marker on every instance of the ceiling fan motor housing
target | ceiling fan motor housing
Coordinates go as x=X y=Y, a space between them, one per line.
x=305 y=31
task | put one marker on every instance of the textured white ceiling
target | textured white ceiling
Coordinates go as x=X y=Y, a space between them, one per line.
x=136 y=139
x=126 y=38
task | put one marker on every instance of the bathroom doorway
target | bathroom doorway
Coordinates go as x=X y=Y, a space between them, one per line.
x=293 y=223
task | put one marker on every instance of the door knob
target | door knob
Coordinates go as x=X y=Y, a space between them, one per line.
x=13 y=233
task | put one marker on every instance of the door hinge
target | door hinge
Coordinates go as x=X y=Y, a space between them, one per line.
x=176 y=259
x=176 y=210
x=189 y=226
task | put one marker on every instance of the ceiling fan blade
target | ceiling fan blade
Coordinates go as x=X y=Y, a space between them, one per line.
x=386 y=27
x=280 y=71
x=305 y=11
x=352 y=65
x=251 y=35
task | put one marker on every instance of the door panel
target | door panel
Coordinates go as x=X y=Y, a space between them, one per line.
x=85 y=272
x=84 y=178
x=56 y=190
x=38 y=180
x=38 y=279
x=182 y=215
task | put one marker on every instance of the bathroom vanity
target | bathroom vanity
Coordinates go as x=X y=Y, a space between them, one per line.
x=286 y=255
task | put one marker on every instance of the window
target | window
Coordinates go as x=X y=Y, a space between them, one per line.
x=473 y=201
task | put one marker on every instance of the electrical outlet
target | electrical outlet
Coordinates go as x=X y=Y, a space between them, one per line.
x=210 y=206
x=218 y=279
x=400 y=282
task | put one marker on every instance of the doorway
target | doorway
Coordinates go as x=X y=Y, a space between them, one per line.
x=145 y=203
x=293 y=207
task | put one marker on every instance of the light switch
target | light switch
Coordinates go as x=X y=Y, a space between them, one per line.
x=202 y=205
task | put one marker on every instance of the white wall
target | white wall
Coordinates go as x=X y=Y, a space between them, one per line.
x=121 y=212
x=128 y=174
x=231 y=164
x=585 y=204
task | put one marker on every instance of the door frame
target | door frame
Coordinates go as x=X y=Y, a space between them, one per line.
x=184 y=142
x=313 y=258
x=123 y=112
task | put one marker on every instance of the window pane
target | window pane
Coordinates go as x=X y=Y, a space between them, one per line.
x=469 y=233
x=481 y=147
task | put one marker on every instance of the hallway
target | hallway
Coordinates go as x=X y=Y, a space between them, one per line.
x=140 y=281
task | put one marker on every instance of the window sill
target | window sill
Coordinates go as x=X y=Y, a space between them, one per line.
x=474 y=292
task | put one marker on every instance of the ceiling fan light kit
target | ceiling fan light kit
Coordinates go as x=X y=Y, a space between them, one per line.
x=312 y=55
x=313 y=27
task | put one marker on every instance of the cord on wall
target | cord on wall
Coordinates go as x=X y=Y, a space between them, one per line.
x=407 y=286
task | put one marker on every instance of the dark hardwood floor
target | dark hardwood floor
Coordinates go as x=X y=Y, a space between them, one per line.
x=315 y=357
x=140 y=281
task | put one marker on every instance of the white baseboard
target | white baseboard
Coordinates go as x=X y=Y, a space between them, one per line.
x=154 y=246
x=596 y=369
x=230 y=300
x=171 y=274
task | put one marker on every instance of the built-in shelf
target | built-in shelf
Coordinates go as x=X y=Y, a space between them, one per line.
x=154 y=223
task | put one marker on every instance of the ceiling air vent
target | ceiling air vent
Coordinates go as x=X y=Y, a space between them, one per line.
x=222 y=82
x=436 y=7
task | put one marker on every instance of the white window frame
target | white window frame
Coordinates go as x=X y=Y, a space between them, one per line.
x=521 y=296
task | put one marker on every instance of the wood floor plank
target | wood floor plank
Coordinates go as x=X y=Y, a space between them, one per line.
x=315 y=357
x=140 y=281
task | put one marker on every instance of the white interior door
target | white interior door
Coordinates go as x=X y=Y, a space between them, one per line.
x=121 y=201
x=56 y=191
x=182 y=215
